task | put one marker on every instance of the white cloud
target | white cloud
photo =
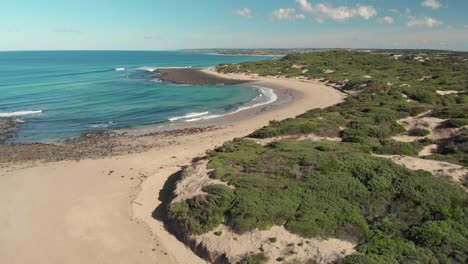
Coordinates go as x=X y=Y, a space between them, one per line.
x=339 y=14
x=244 y=12
x=386 y=20
x=305 y=6
x=343 y=13
x=300 y=16
x=434 y=4
x=287 y=14
x=367 y=12
x=424 y=22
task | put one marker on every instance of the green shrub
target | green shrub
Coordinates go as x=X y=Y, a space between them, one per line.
x=340 y=192
x=315 y=121
x=358 y=259
x=391 y=147
x=254 y=259
x=418 y=132
x=457 y=122
x=203 y=213
x=427 y=235
x=354 y=136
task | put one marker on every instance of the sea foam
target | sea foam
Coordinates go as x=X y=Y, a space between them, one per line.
x=188 y=116
x=100 y=124
x=264 y=92
x=20 y=113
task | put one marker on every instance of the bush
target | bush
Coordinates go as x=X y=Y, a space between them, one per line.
x=358 y=259
x=391 y=147
x=203 y=213
x=426 y=235
x=418 y=132
x=335 y=190
x=457 y=122
x=315 y=121
x=254 y=259
x=354 y=136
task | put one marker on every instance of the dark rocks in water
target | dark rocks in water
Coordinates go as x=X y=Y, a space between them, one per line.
x=92 y=144
x=7 y=129
x=194 y=77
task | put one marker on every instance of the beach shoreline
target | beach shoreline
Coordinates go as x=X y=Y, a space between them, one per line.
x=101 y=144
x=100 y=209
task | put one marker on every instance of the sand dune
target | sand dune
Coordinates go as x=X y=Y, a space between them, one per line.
x=291 y=247
x=223 y=242
x=455 y=173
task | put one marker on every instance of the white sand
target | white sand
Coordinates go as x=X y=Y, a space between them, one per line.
x=455 y=173
x=428 y=150
x=78 y=212
x=447 y=92
x=291 y=247
x=194 y=179
x=423 y=120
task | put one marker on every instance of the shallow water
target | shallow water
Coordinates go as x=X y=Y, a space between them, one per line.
x=61 y=94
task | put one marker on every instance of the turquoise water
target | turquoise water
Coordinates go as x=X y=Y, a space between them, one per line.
x=60 y=94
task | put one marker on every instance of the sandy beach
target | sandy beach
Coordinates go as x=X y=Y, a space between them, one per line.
x=101 y=209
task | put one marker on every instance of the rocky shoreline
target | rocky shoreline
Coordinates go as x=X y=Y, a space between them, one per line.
x=193 y=77
x=7 y=129
x=92 y=145
x=100 y=144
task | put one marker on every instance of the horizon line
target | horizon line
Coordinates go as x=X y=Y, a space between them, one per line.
x=185 y=49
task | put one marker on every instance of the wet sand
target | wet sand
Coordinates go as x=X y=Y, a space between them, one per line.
x=100 y=208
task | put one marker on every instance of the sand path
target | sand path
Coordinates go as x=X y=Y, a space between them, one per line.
x=100 y=210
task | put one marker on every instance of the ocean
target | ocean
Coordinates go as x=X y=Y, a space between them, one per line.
x=55 y=95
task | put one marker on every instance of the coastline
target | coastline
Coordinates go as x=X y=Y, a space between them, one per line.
x=247 y=54
x=102 y=208
x=280 y=96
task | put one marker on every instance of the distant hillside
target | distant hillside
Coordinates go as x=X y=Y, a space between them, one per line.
x=282 y=52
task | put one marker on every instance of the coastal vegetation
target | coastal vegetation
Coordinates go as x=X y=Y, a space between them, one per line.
x=341 y=189
x=330 y=189
x=384 y=89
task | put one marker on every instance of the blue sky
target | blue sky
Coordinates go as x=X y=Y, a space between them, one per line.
x=177 y=24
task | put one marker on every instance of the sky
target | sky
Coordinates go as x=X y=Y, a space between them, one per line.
x=181 y=24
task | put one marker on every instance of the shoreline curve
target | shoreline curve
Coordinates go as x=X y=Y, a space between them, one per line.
x=98 y=209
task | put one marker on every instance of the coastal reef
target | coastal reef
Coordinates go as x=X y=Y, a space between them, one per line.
x=193 y=77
